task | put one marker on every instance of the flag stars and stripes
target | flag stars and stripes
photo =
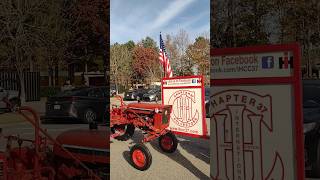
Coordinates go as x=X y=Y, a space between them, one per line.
x=164 y=60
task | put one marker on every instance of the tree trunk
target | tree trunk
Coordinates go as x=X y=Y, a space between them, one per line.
x=50 y=75
x=233 y=24
x=22 y=86
x=56 y=75
x=71 y=73
x=308 y=55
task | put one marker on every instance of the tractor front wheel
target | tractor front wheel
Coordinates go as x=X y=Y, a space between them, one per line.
x=140 y=156
x=168 y=142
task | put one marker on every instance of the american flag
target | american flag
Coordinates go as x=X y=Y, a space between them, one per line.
x=164 y=60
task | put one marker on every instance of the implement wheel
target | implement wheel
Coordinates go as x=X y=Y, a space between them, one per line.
x=140 y=156
x=125 y=131
x=168 y=142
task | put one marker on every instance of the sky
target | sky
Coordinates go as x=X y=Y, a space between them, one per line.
x=137 y=19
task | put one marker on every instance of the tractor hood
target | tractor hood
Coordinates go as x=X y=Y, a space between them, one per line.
x=98 y=139
x=91 y=146
x=145 y=106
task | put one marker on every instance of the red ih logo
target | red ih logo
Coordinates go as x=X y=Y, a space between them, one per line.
x=242 y=122
x=284 y=62
x=184 y=112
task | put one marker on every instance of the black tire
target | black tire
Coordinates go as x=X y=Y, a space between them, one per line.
x=140 y=157
x=168 y=142
x=128 y=131
x=89 y=116
x=315 y=167
x=15 y=103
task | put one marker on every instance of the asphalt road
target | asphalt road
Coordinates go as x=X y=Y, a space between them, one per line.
x=190 y=161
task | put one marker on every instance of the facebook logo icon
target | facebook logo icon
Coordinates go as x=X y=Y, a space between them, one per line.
x=267 y=62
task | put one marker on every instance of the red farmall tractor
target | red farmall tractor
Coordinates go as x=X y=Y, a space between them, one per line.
x=153 y=119
x=75 y=154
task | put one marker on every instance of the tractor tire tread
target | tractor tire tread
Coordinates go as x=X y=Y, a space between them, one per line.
x=146 y=152
x=174 y=141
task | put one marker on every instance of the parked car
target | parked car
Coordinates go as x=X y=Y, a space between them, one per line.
x=12 y=96
x=113 y=92
x=136 y=94
x=87 y=104
x=152 y=95
x=311 y=127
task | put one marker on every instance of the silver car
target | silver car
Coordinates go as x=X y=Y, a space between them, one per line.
x=152 y=95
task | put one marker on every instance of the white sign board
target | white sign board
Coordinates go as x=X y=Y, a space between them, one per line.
x=250 y=134
x=255 y=110
x=254 y=65
x=186 y=95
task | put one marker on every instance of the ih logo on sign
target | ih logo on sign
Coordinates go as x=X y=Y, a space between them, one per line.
x=285 y=61
x=243 y=122
x=184 y=113
x=196 y=81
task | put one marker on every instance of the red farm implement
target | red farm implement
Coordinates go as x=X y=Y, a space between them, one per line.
x=153 y=119
x=72 y=155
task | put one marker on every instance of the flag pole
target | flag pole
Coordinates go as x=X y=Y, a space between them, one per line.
x=163 y=64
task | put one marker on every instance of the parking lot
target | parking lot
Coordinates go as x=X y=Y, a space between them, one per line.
x=15 y=124
x=25 y=129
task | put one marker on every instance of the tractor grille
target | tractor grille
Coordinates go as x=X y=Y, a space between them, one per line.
x=165 y=115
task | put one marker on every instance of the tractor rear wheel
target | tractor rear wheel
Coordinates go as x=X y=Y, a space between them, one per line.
x=125 y=131
x=168 y=142
x=140 y=156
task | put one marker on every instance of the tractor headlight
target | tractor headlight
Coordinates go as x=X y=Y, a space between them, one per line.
x=156 y=110
x=308 y=127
